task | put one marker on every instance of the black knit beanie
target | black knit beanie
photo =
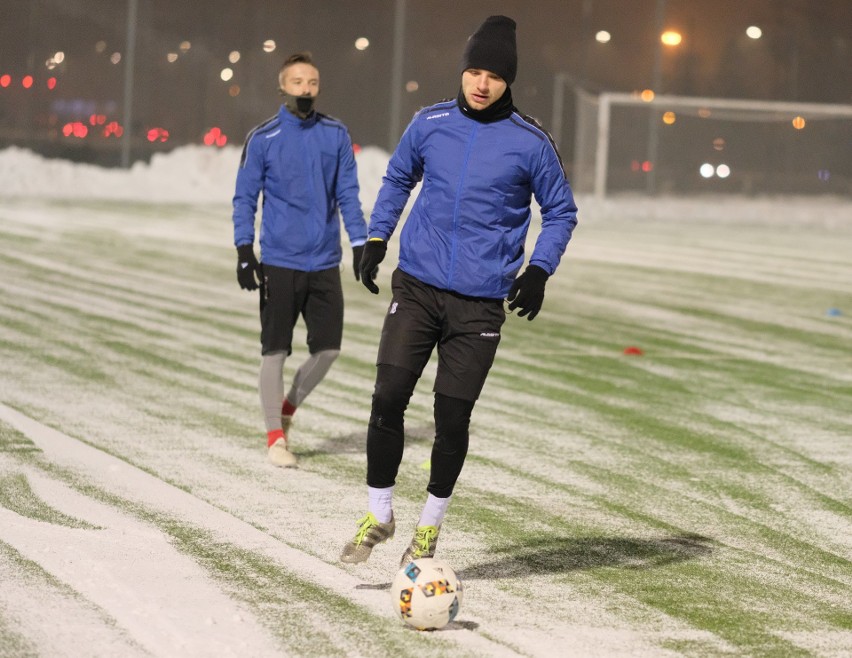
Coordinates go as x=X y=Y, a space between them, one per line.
x=492 y=48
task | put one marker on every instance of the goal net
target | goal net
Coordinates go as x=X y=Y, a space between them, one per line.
x=685 y=145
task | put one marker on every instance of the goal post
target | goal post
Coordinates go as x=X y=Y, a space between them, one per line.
x=692 y=145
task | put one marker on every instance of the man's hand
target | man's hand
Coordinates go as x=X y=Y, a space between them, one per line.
x=527 y=291
x=247 y=266
x=357 y=254
x=374 y=253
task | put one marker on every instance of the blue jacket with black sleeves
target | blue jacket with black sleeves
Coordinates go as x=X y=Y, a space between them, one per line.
x=467 y=228
x=306 y=170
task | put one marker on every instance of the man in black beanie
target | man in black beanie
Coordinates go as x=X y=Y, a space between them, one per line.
x=492 y=47
x=461 y=249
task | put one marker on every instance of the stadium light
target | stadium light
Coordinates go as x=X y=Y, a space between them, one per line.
x=671 y=38
x=362 y=43
x=754 y=32
x=603 y=36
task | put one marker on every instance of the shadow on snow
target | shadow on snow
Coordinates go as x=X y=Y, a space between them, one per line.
x=563 y=554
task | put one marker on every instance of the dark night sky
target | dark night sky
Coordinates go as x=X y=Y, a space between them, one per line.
x=806 y=54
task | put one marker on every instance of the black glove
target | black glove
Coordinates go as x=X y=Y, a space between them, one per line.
x=527 y=291
x=374 y=253
x=357 y=253
x=247 y=266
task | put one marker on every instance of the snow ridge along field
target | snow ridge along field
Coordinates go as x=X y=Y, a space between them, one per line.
x=692 y=500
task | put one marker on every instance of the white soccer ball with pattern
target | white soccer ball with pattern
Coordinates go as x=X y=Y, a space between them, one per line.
x=426 y=594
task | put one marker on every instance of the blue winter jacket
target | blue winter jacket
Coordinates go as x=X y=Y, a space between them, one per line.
x=306 y=170
x=467 y=227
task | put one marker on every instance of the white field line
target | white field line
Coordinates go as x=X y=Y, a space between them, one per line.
x=24 y=598
x=126 y=481
x=165 y=601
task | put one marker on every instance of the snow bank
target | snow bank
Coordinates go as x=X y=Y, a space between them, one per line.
x=201 y=174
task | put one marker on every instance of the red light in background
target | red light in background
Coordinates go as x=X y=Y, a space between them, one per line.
x=75 y=129
x=51 y=83
x=113 y=128
x=215 y=136
x=634 y=165
x=647 y=166
x=27 y=82
x=158 y=135
x=356 y=148
x=5 y=80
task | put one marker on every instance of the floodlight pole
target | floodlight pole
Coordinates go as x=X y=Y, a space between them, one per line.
x=656 y=84
x=559 y=80
x=130 y=56
x=396 y=75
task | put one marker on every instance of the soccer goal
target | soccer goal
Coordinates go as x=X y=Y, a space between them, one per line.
x=684 y=145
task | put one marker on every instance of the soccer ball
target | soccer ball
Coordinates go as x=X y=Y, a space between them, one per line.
x=426 y=594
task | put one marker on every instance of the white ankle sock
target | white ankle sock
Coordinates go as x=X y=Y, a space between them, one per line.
x=434 y=511
x=381 y=503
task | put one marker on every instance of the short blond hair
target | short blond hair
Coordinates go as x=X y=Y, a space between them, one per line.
x=303 y=57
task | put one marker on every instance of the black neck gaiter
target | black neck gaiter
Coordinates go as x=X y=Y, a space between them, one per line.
x=301 y=106
x=502 y=108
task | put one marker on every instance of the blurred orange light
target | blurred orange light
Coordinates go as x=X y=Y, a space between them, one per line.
x=671 y=38
x=5 y=80
x=27 y=82
x=647 y=95
x=669 y=118
x=799 y=123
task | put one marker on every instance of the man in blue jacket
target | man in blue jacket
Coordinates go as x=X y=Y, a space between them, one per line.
x=303 y=163
x=461 y=248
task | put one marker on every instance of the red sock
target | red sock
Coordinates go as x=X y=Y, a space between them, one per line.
x=273 y=436
x=287 y=409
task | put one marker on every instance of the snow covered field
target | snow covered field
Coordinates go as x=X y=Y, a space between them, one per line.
x=694 y=500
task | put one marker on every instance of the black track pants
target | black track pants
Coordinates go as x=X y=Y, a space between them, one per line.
x=386 y=432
